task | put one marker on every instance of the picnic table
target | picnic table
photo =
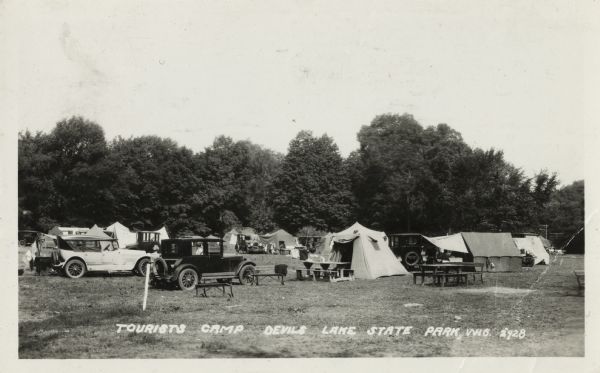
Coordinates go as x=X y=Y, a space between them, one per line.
x=441 y=272
x=338 y=273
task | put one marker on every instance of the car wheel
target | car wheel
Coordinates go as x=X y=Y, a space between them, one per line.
x=246 y=275
x=142 y=265
x=411 y=258
x=75 y=268
x=188 y=279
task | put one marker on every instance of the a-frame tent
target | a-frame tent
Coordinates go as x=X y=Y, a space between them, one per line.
x=279 y=238
x=97 y=232
x=533 y=245
x=324 y=247
x=230 y=241
x=368 y=252
x=124 y=236
x=497 y=251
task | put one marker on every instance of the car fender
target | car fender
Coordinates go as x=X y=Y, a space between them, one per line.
x=137 y=261
x=242 y=264
x=62 y=264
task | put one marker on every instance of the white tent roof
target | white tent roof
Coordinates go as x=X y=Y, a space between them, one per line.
x=453 y=242
x=163 y=233
x=123 y=235
x=97 y=231
x=371 y=254
x=533 y=245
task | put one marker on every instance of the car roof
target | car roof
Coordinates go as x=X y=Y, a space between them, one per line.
x=194 y=238
x=85 y=237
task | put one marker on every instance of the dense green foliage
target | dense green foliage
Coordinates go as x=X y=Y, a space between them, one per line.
x=403 y=177
x=313 y=187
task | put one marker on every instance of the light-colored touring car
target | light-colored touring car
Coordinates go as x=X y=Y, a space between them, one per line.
x=76 y=255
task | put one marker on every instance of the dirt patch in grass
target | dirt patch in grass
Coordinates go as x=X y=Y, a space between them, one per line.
x=497 y=290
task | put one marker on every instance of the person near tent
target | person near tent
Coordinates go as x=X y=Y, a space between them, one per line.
x=432 y=254
x=445 y=256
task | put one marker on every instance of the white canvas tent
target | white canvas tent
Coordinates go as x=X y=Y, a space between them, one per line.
x=533 y=245
x=367 y=250
x=453 y=242
x=279 y=239
x=97 y=232
x=163 y=233
x=123 y=235
x=325 y=244
x=230 y=241
x=67 y=231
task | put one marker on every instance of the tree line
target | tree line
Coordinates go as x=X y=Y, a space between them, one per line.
x=403 y=178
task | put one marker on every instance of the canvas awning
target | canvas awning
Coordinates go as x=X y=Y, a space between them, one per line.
x=453 y=242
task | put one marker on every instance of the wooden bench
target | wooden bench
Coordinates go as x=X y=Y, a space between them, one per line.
x=274 y=271
x=216 y=280
x=442 y=277
x=422 y=274
x=477 y=270
x=580 y=276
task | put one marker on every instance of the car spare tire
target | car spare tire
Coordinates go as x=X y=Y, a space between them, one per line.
x=246 y=275
x=160 y=268
x=411 y=258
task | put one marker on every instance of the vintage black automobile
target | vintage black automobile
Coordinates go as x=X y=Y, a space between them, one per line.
x=148 y=241
x=411 y=247
x=184 y=260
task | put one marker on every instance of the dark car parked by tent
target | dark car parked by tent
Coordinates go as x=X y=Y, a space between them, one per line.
x=184 y=260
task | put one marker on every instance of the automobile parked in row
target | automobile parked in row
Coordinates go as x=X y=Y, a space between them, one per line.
x=184 y=260
x=76 y=255
x=148 y=241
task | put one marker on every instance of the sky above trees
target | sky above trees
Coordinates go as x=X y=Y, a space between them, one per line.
x=507 y=76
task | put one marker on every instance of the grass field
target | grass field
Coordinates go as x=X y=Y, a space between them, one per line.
x=63 y=318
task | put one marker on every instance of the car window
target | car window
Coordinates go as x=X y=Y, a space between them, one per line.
x=214 y=248
x=197 y=248
x=83 y=245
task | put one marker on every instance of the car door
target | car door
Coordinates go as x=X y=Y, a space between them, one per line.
x=92 y=255
x=126 y=259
